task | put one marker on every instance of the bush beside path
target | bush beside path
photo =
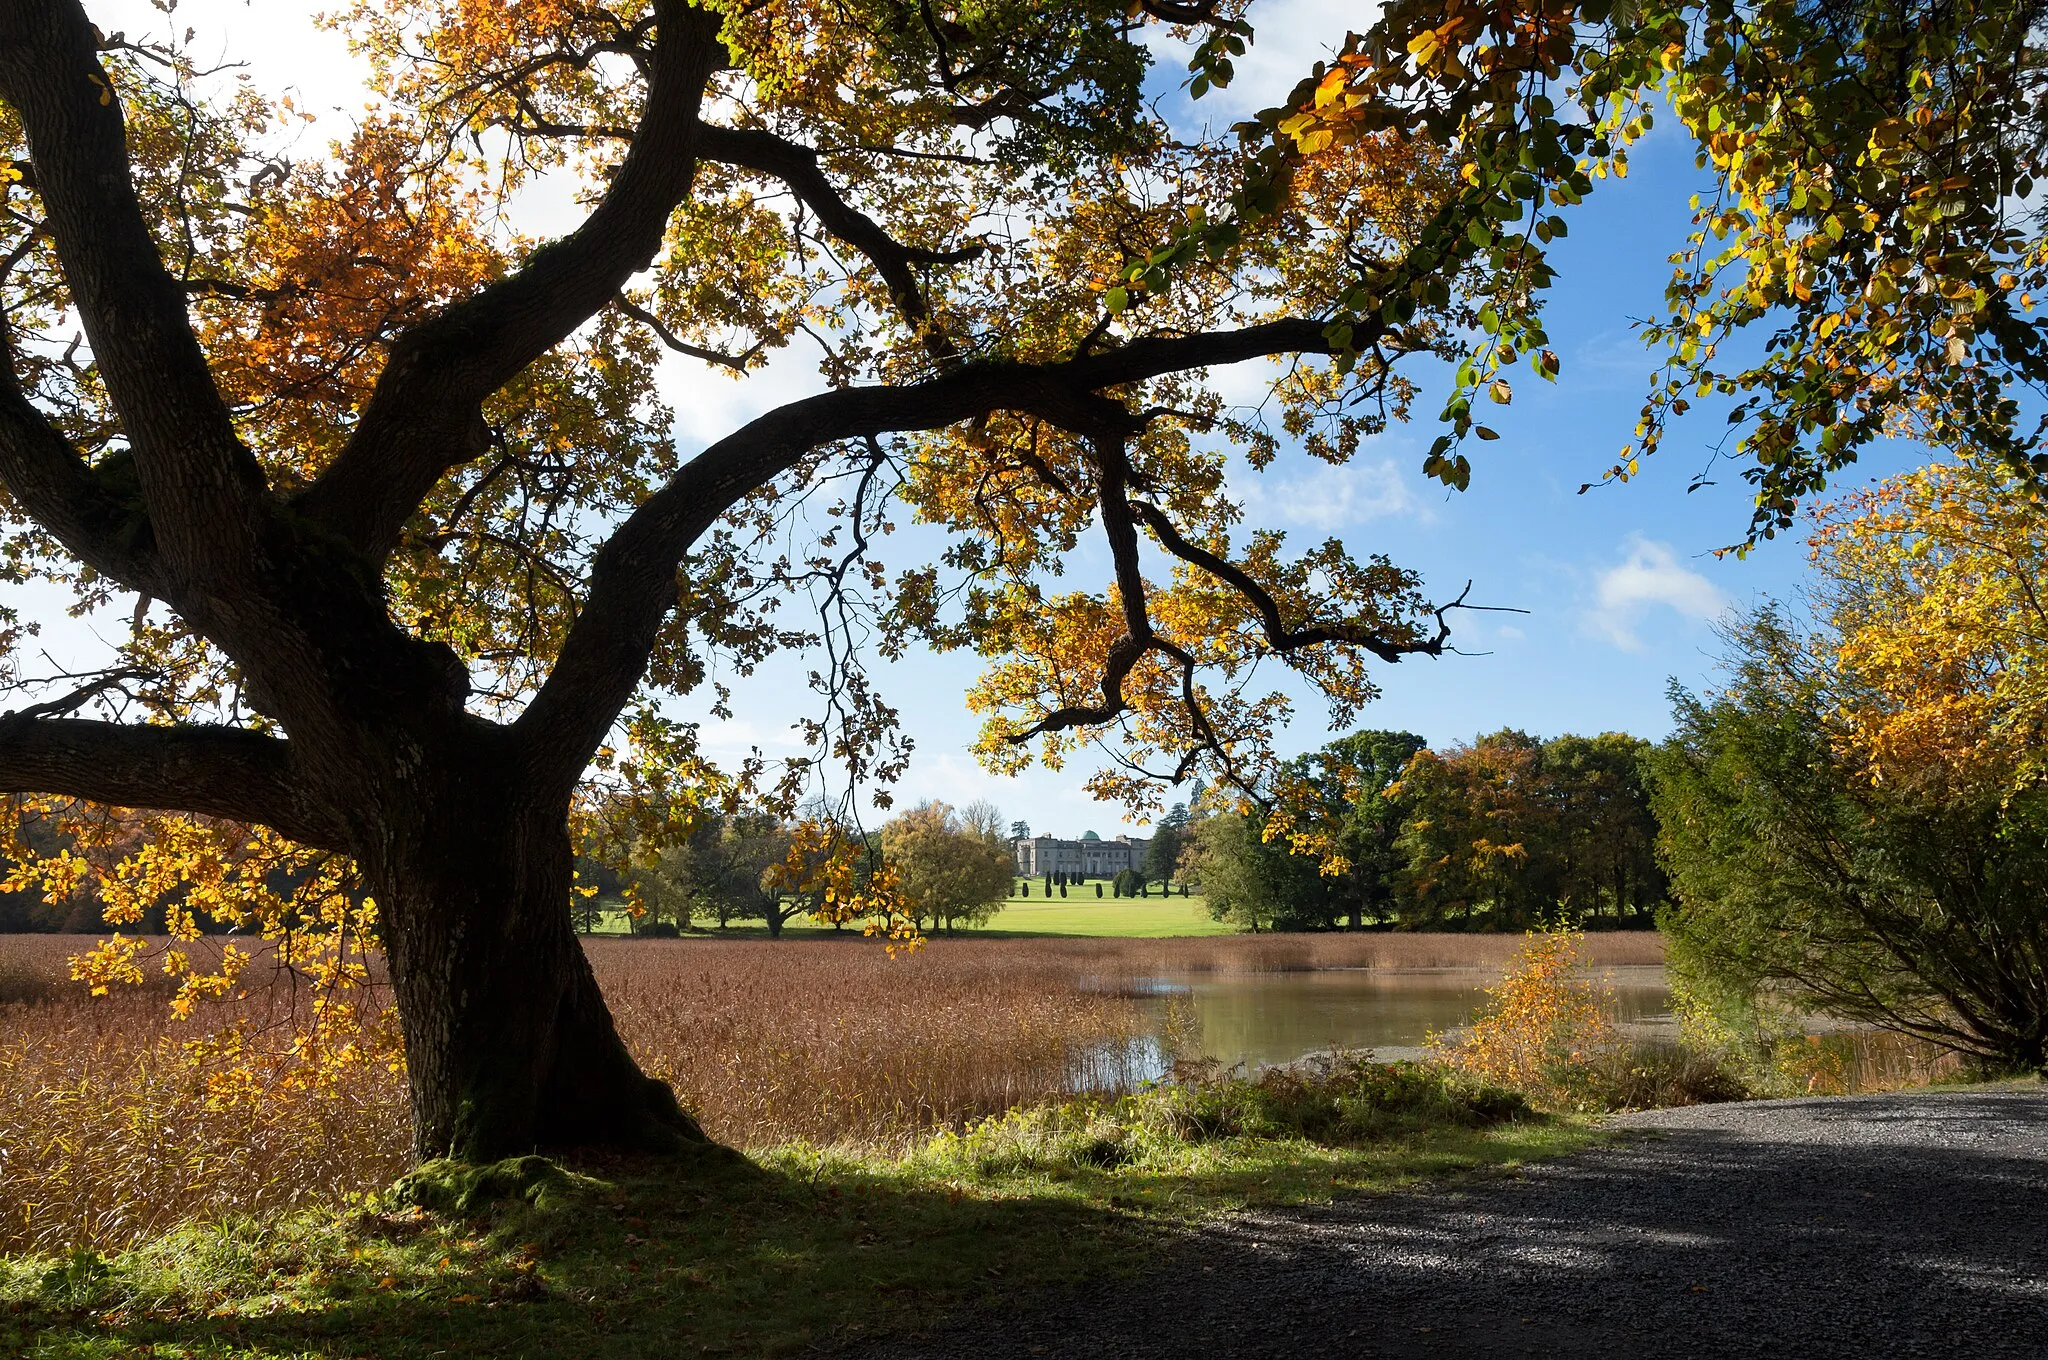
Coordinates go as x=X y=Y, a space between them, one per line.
x=1867 y=1226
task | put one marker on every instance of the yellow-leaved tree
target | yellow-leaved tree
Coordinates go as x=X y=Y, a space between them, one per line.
x=1932 y=583
x=950 y=865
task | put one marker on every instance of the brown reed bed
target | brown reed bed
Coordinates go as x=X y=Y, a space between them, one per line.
x=1103 y=957
x=832 y=1042
x=108 y=1131
x=835 y=1041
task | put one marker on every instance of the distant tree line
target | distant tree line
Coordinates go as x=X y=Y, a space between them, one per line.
x=950 y=866
x=1498 y=834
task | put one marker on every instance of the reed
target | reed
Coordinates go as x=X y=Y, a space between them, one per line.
x=1853 y=1062
x=834 y=1042
x=109 y=1132
x=1303 y=953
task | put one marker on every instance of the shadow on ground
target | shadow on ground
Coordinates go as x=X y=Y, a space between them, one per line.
x=1899 y=1225
x=657 y=1260
x=737 y=1262
x=1863 y=1227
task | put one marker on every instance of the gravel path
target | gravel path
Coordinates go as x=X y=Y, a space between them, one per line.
x=1889 y=1225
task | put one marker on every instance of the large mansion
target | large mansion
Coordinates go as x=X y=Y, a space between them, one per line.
x=1089 y=857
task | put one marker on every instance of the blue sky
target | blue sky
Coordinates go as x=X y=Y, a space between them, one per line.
x=1620 y=584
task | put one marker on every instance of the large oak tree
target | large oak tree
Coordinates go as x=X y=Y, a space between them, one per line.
x=409 y=545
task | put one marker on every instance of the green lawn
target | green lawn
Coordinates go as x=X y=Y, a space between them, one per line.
x=1080 y=913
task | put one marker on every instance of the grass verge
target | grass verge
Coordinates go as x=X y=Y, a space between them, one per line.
x=1083 y=915
x=800 y=1249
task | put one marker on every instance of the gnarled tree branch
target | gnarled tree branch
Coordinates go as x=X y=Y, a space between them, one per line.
x=213 y=771
x=1279 y=636
x=737 y=362
x=1121 y=515
x=51 y=481
x=422 y=418
x=204 y=489
x=797 y=167
x=633 y=577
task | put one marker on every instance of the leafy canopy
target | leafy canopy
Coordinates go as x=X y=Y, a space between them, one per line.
x=1871 y=164
x=918 y=198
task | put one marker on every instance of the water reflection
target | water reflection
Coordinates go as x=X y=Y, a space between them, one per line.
x=1265 y=1019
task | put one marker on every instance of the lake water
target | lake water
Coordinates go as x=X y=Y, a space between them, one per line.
x=1265 y=1019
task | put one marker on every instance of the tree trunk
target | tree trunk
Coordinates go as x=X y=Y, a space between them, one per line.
x=509 y=1045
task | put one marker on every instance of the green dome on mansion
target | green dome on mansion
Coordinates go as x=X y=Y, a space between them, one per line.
x=1090 y=836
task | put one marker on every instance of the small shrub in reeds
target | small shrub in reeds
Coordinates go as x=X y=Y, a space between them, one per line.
x=1548 y=1032
x=1543 y=1022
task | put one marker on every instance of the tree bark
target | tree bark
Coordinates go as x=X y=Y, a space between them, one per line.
x=509 y=1045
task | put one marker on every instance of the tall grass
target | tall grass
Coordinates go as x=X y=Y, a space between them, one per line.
x=108 y=1131
x=828 y=1042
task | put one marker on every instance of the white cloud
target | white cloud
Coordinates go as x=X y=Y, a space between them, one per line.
x=1650 y=577
x=1247 y=384
x=710 y=403
x=735 y=738
x=1330 y=497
